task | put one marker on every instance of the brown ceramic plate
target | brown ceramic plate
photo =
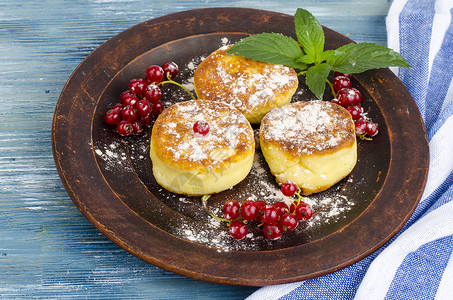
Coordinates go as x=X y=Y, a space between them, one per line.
x=110 y=180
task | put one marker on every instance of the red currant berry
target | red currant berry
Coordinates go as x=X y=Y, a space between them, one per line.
x=146 y=120
x=335 y=101
x=336 y=74
x=355 y=111
x=288 y=222
x=270 y=215
x=118 y=107
x=261 y=205
x=137 y=127
x=137 y=86
x=170 y=69
x=360 y=126
x=343 y=98
x=158 y=107
x=272 y=232
x=231 y=210
x=129 y=113
x=154 y=74
x=201 y=127
x=340 y=82
x=349 y=96
x=289 y=188
x=281 y=207
x=249 y=210
x=372 y=128
x=143 y=108
x=125 y=94
x=125 y=128
x=238 y=230
x=357 y=99
x=129 y=100
x=112 y=117
x=153 y=93
x=303 y=211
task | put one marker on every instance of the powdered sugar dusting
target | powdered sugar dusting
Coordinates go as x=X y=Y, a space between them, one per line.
x=245 y=87
x=229 y=132
x=113 y=155
x=310 y=126
x=253 y=89
x=329 y=208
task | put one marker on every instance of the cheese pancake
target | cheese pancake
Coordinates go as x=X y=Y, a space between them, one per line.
x=312 y=143
x=187 y=162
x=253 y=87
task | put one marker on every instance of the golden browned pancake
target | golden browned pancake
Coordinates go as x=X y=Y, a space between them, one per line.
x=253 y=87
x=312 y=143
x=190 y=163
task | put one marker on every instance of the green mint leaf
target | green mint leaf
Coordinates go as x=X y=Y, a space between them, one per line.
x=316 y=78
x=356 y=58
x=326 y=55
x=309 y=33
x=273 y=48
x=306 y=59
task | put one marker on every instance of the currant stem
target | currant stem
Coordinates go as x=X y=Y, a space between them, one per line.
x=331 y=88
x=177 y=84
x=204 y=201
x=297 y=201
x=301 y=73
x=299 y=196
x=364 y=137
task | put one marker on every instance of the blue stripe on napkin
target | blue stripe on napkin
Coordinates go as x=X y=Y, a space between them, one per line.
x=442 y=68
x=338 y=285
x=428 y=262
x=415 y=27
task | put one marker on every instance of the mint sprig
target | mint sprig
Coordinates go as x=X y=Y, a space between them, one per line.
x=308 y=55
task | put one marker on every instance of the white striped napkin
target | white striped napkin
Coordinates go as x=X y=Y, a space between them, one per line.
x=417 y=263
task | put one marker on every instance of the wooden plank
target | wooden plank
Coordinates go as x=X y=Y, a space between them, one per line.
x=47 y=248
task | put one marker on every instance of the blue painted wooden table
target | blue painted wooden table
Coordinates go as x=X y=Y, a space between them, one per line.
x=47 y=248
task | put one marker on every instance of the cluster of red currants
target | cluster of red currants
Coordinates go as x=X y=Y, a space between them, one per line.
x=141 y=102
x=351 y=98
x=274 y=218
